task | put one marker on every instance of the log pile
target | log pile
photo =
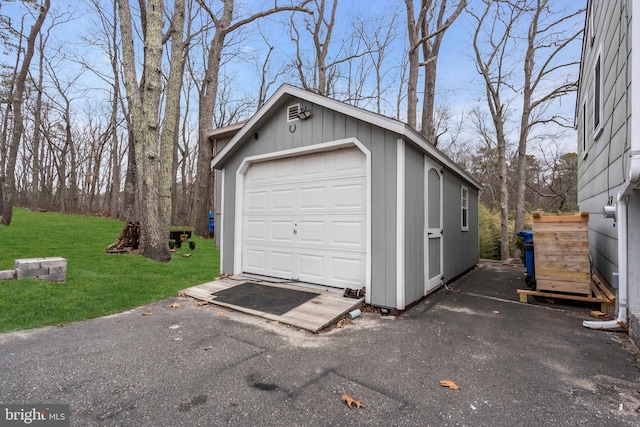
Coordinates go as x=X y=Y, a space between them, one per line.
x=127 y=240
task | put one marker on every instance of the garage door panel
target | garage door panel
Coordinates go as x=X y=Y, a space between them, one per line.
x=256 y=230
x=312 y=232
x=313 y=166
x=349 y=161
x=347 y=270
x=257 y=174
x=349 y=233
x=282 y=231
x=284 y=168
x=256 y=201
x=255 y=260
x=307 y=220
x=282 y=199
x=349 y=196
x=312 y=198
x=281 y=263
x=312 y=267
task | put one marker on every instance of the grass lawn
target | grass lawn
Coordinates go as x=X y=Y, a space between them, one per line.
x=97 y=283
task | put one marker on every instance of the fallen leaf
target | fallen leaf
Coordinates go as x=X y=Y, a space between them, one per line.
x=186 y=255
x=208 y=348
x=147 y=313
x=175 y=305
x=350 y=400
x=275 y=323
x=450 y=384
x=220 y=313
x=343 y=323
x=496 y=312
x=202 y=303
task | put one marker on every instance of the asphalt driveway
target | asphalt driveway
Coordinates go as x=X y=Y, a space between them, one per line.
x=515 y=365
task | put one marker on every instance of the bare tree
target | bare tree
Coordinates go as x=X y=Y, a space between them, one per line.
x=106 y=38
x=491 y=43
x=320 y=26
x=7 y=181
x=144 y=104
x=426 y=32
x=377 y=37
x=547 y=77
x=171 y=124
x=225 y=24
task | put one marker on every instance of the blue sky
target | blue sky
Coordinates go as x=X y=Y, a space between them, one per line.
x=458 y=82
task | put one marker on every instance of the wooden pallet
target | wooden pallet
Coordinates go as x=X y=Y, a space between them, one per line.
x=600 y=293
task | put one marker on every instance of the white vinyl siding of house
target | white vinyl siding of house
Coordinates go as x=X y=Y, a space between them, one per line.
x=605 y=122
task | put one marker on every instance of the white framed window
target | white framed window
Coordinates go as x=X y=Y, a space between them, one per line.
x=464 y=208
x=585 y=131
x=598 y=96
x=590 y=32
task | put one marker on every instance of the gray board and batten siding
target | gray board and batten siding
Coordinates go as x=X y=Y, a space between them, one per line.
x=331 y=121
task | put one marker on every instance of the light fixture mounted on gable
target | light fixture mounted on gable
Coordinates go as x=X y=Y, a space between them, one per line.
x=304 y=113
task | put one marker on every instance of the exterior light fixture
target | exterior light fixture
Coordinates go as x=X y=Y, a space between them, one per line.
x=304 y=113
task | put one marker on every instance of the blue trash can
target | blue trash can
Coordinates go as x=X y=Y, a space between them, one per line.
x=527 y=235
x=212 y=223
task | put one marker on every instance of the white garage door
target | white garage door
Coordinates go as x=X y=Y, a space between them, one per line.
x=304 y=218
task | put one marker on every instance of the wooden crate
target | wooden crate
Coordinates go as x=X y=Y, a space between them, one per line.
x=561 y=253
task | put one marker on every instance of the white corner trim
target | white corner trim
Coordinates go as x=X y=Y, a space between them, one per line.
x=218 y=227
x=400 y=226
x=368 y=247
x=311 y=149
x=237 y=233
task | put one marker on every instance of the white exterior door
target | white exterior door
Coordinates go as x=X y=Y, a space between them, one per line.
x=433 y=227
x=304 y=218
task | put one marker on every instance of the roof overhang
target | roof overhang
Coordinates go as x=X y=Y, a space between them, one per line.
x=225 y=132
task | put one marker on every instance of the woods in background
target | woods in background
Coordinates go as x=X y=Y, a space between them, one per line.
x=105 y=105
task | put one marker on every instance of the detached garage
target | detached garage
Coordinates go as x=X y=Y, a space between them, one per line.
x=315 y=191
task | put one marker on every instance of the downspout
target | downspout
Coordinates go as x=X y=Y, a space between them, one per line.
x=621 y=321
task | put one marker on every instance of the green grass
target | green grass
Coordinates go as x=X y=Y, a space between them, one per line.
x=97 y=283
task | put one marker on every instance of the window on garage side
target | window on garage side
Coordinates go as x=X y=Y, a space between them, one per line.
x=464 y=208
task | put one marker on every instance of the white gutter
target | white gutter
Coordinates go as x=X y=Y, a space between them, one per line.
x=621 y=321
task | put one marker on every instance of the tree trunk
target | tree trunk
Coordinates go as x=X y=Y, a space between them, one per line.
x=170 y=127
x=35 y=167
x=144 y=125
x=154 y=230
x=203 y=197
x=129 y=208
x=114 y=200
x=9 y=184
x=412 y=84
x=427 y=32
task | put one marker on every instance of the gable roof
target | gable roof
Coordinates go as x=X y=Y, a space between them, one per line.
x=392 y=125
